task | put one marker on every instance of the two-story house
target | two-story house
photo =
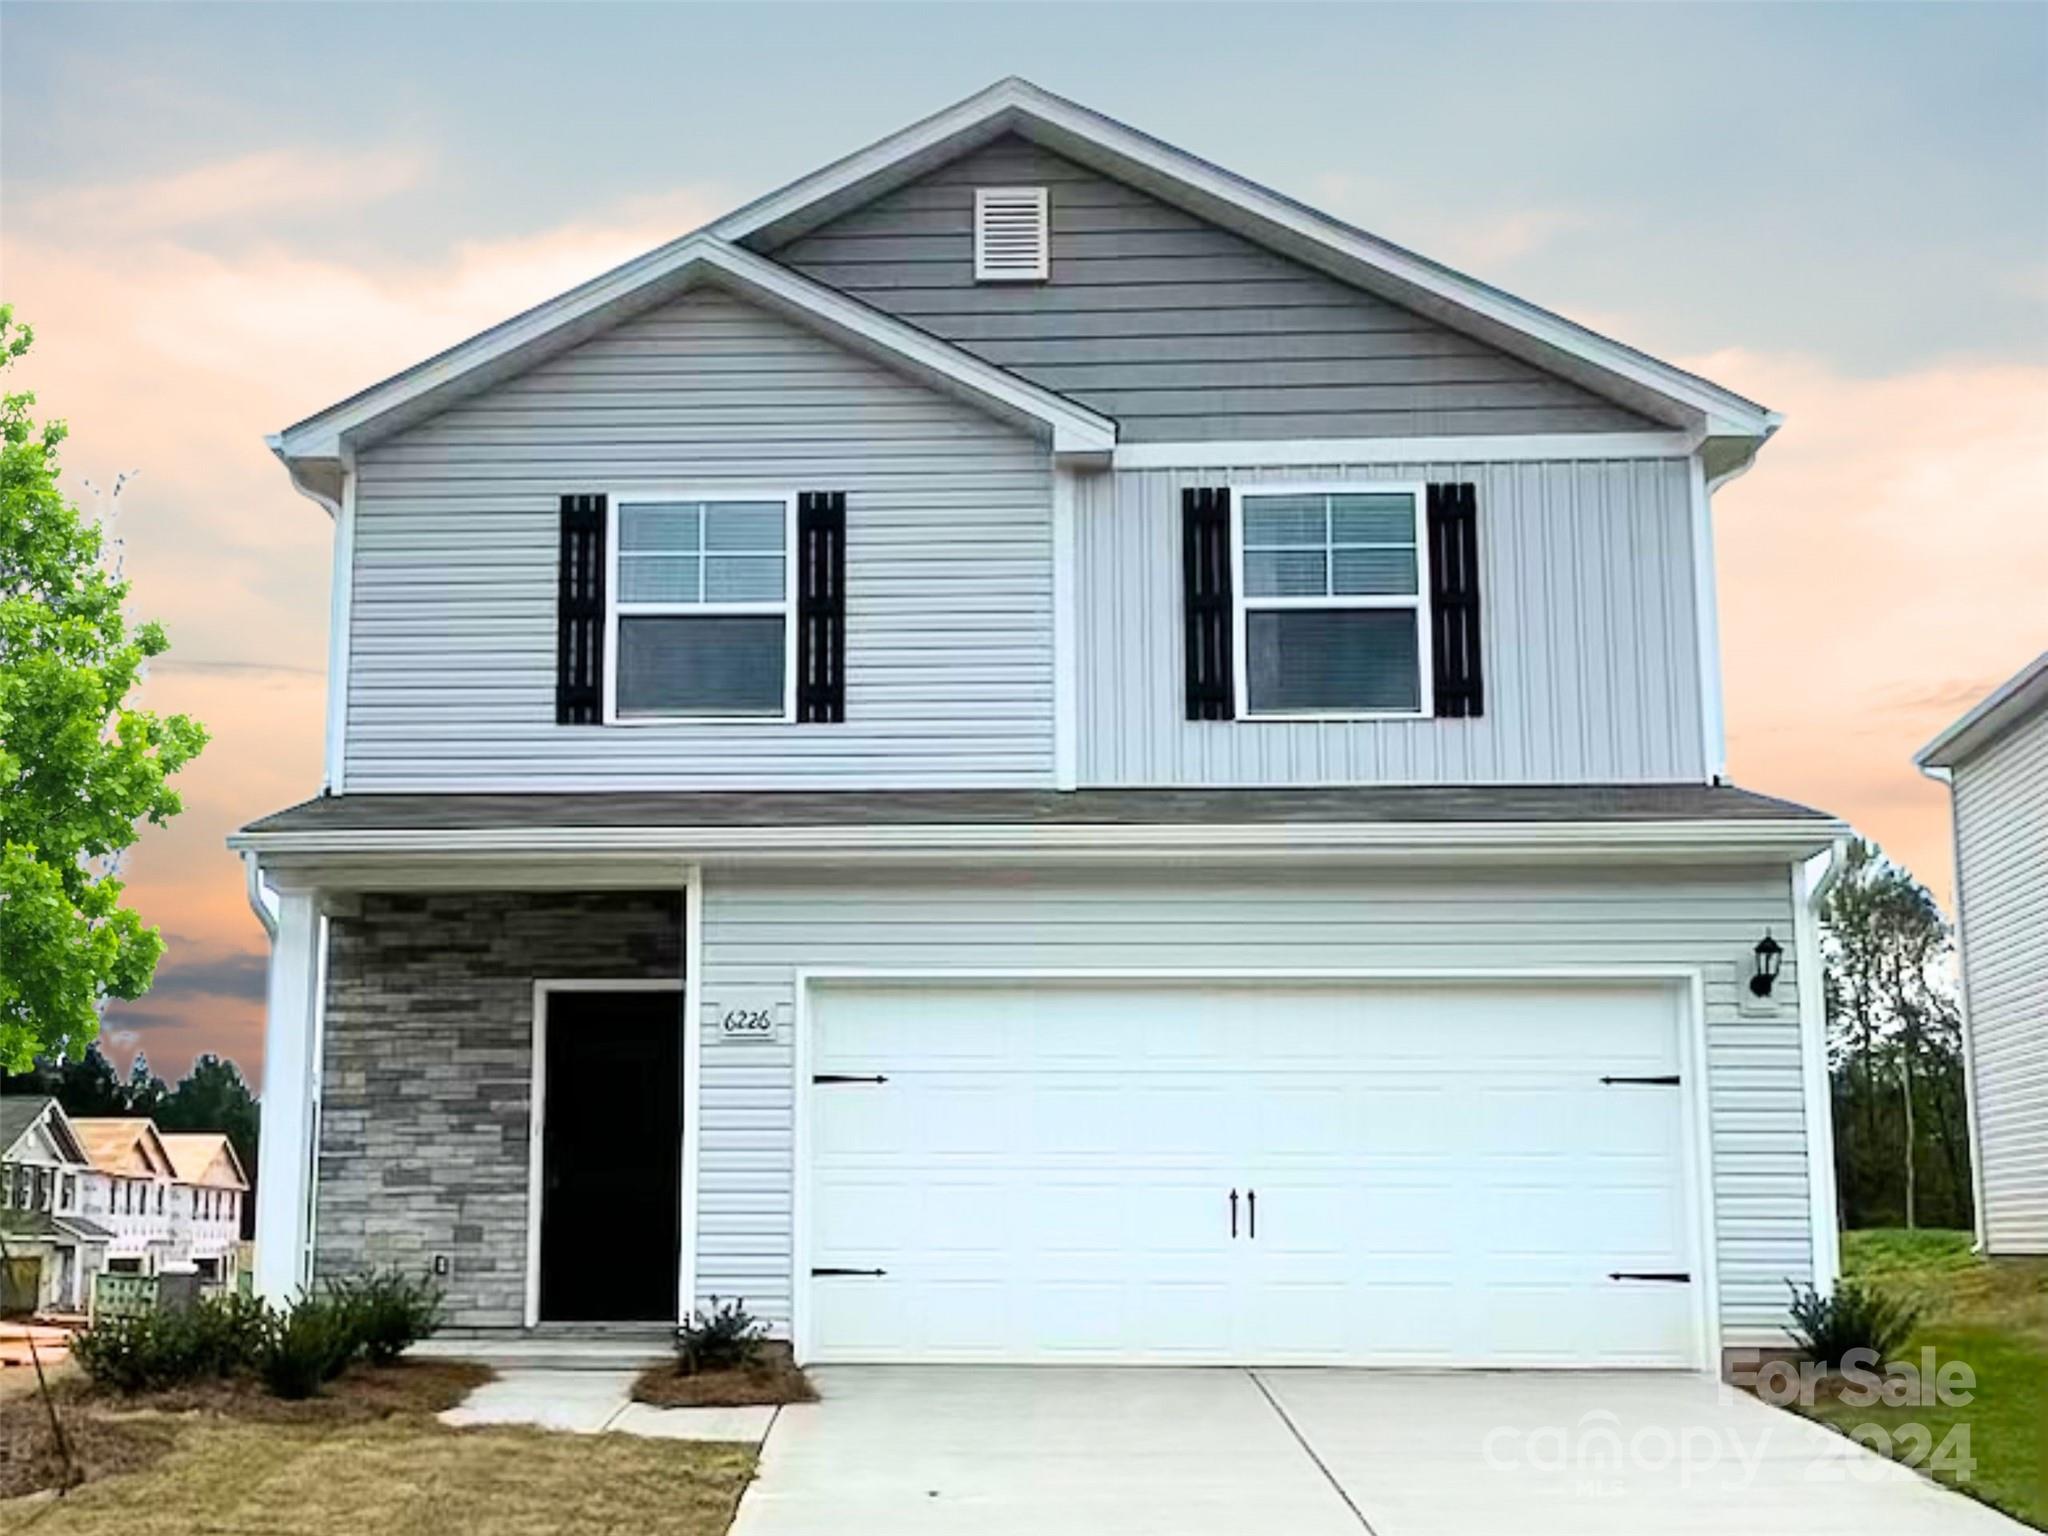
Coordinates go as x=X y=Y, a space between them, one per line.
x=1025 y=750
x=208 y=1195
x=52 y=1248
x=131 y=1193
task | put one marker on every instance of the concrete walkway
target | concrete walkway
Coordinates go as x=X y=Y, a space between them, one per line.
x=593 y=1402
x=908 y=1451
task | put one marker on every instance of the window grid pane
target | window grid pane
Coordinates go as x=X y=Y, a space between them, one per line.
x=702 y=552
x=1331 y=544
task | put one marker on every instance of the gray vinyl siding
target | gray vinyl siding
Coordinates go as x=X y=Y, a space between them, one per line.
x=949 y=628
x=1589 y=634
x=760 y=928
x=1151 y=315
x=2001 y=808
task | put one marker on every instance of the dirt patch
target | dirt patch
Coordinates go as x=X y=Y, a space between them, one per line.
x=111 y=1432
x=100 y=1447
x=361 y=1393
x=773 y=1379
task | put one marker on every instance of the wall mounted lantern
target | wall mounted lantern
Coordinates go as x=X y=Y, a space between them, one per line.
x=1770 y=958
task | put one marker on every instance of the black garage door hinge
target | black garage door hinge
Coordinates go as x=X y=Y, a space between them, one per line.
x=872 y=1272
x=1668 y=1276
x=1652 y=1082
x=845 y=1077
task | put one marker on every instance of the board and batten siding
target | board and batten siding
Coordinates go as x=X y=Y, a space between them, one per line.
x=948 y=567
x=1176 y=327
x=1590 y=638
x=2001 y=810
x=761 y=927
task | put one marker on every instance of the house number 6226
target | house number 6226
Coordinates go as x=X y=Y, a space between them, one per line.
x=747 y=1023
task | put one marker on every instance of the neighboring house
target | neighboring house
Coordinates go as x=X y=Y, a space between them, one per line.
x=130 y=1193
x=53 y=1247
x=1995 y=762
x=1025 y=750
x=209 y=1192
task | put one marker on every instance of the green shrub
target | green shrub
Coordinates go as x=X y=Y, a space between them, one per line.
x=726 y=1339
x=215 y=1336
x=305 y=1345
x=388 y=1311
x=1829 y=1327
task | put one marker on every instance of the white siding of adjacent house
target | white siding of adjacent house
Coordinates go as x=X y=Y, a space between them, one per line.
x=761 y=928
x=2001 y=809
x=1590 y=638
x=949 y=572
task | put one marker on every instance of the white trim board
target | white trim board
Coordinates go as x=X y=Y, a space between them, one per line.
x=1568 y=839
x=1694 y=1067
x=536 y=1120
x=1313 y=452
x=340 y=622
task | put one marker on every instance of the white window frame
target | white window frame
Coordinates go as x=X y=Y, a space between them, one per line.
x=983 y=273
x=786 y=607
x=1241 y=604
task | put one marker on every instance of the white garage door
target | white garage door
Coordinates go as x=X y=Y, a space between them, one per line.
x=1426 y=1173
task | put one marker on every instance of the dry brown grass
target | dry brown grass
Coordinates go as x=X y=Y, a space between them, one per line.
x=773 y=1379
x=111 y=1433
x=403 y=1476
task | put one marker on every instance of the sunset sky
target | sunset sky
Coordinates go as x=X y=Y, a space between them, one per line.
x=222 y=218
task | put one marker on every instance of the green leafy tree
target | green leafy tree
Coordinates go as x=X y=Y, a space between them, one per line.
x=1895 y=1046
x=79 y=768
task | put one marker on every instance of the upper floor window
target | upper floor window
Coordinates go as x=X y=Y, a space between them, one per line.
x=701 y=609
x=1330 y=619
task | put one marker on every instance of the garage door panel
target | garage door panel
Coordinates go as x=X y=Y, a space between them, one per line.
x=1441 y=1176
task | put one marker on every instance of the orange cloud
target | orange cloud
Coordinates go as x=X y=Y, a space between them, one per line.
x=269 y=181
x=1880 y=569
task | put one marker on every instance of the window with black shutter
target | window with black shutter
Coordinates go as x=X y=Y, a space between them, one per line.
x=1459 y=686
x=1206 y=600
x=821 y=607
x=579 y=613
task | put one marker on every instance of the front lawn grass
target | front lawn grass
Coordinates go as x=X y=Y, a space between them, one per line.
x=1993 y=1316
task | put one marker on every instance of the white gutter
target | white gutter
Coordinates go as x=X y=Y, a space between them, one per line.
x=1770 y=837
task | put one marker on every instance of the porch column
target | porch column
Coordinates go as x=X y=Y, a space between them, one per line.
x=284 y=1158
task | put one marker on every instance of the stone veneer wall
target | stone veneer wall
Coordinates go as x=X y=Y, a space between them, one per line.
x=427 y=1071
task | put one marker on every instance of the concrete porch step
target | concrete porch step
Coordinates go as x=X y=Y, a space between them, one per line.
x=593 y=1349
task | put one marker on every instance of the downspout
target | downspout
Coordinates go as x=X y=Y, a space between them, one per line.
x=1946 y=776
x=261 y=901
x=1810 y=892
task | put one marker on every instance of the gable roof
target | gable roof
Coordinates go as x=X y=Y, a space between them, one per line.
x=2011 y=704
x=1645 y=384
x=205 y=1158
x=125 y=1145
x=317 y=450
x=22 y=1114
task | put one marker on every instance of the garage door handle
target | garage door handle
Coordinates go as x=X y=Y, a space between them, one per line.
x=845 y=1077
x=1251 y=1207
x=1233 y=1214
x=872 y=1273
x=1667 y=1276
x=1648 y=1082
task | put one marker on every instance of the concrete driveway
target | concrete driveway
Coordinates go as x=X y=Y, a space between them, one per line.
x=914 y=1451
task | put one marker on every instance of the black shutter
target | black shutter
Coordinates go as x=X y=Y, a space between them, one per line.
x=1205 y=592
x=1454 y=600
x=579 y=613
x=821 y=607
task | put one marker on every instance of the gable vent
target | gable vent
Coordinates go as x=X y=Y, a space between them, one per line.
x=1010 y=240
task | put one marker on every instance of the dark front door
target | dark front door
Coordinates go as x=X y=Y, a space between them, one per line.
x=611 y=1157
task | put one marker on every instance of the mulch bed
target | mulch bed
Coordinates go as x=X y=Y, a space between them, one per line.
x=111 y=1432
x=773 y=1379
